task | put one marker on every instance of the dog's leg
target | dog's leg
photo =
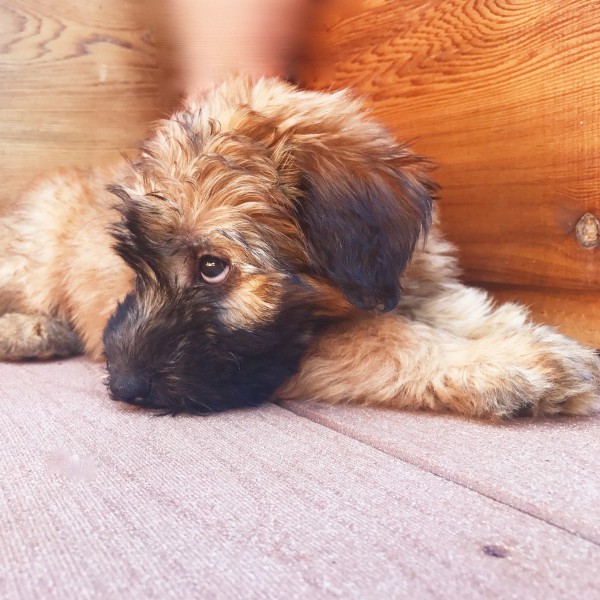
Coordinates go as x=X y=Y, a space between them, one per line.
x=466 y=311
x=23 y=335
x=12 y=263
x=59 y=278
x=36 y=336
x=393 y=361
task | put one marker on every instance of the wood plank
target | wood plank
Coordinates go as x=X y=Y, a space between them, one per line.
x=79 y=83
x=505 y=96
x=249 y=504
x=547 y=468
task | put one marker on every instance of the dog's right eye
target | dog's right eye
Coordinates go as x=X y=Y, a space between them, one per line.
x=213 y=269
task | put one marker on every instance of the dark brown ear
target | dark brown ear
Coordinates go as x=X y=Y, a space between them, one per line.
x=362 y=200
x=362 y=210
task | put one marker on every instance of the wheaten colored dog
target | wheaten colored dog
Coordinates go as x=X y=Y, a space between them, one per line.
x=270 y=242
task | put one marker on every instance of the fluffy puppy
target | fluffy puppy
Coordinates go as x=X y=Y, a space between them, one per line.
x=270 y=242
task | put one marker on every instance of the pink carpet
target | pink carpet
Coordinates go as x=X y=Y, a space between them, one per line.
x=99 y=500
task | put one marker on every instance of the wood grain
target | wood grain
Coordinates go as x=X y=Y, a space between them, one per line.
x=79 y=83
x=505 y=96
x=544 y=467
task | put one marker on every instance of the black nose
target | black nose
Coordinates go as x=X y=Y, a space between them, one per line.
x=129 y=387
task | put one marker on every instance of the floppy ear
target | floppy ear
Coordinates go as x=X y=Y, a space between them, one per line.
x=363 y=206
x=362 y=200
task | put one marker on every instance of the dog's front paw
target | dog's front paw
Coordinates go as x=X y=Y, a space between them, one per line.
x=25 y=336
x=569 y=374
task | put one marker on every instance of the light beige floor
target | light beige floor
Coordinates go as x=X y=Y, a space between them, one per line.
x=99 y=500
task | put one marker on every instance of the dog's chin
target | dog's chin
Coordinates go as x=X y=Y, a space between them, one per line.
x=182 y=359
x=230 y=382
x=192 y=397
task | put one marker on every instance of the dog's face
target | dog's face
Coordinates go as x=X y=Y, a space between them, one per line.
x=253 y=220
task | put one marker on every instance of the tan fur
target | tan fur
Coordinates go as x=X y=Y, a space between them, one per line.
x=55 y=255
x=230 y=188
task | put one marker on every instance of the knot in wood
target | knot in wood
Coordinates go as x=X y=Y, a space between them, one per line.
x=588 y=231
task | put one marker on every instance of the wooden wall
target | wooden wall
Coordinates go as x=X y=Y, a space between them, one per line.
x=503 y=95
x=79 y=83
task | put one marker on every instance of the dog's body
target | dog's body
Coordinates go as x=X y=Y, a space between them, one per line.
x=258 y=248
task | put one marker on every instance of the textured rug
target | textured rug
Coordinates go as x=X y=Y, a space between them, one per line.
x=99 y=500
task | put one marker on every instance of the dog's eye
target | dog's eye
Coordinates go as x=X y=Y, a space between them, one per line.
x=213 y=269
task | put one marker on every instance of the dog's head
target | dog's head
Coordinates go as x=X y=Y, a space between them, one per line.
x=252 y=220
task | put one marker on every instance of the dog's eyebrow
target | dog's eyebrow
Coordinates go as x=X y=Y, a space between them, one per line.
x=157 y=195
x=261 y=252
x=234 y=236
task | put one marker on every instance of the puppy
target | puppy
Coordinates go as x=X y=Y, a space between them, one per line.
x=268 y=243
